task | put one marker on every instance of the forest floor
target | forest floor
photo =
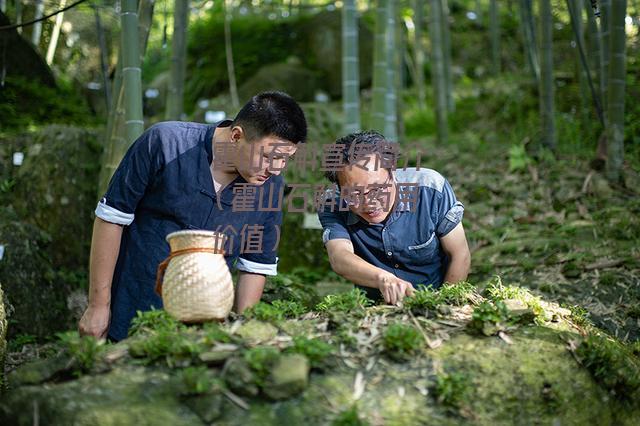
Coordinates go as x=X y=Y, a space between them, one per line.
x=554 y=226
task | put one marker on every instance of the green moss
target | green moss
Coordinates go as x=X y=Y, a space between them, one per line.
x=402 y=341
x=613 y=365
x=213 y=334
x=199 y=380
x=353 y=301
x=451 y=389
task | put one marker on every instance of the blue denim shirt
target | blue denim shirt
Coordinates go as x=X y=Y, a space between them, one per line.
x=162 y=185
x=407 y=243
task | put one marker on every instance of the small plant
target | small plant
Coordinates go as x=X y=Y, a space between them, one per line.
x=423 y=299
x=154 y=320
x=214 y=334
x=261 y=359
x=199 y=380
x=315 y=350
x=497 y=291
x=579 y=315
x=451 y=389
x=489 y=317
x=458 y=294
x=85 y=350
x=612 y=365
x=518 y=158
x=276 y=311
x=350 y=302
x=402 y=341
x=169 y=346
x=349 y=417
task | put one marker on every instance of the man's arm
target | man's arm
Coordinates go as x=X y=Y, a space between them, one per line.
x=349 y=265
x=456 y=247
x=248 y=290
x=105 y=246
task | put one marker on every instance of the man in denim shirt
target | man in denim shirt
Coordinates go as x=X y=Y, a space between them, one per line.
x=389 y=230
x=167 y=181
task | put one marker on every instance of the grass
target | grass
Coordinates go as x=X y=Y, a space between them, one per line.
x=315 y=350
x=351 y=302
x=402 y=341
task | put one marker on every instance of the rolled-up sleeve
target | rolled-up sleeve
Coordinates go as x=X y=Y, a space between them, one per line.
x=333 y=226
x=129 y=182
x=264 y=261
x=450 y=211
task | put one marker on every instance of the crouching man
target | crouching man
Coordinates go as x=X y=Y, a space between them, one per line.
x=389 y=230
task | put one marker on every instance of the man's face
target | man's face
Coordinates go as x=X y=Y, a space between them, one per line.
x=370 y=193
x=257 y=160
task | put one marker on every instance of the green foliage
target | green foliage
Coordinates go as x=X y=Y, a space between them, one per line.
x=296 y=286
x=518 y=158
x=354 y=301
x=401 y=340
x=214 y=334
x=199 y=380
x=16 y=344
x=261 y=359
x=349 y=417
x=25 y=103
x=457 y=293
x=612 y=365
x=579 y=315
x=451 y=389
x=171 y=347
x=489 y=317
x=276 y=311
x=315 y=350
x=85 y=350
x=154 y=320
x=423 y=299
x=498 y=292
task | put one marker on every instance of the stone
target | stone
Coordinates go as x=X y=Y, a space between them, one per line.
x=289 y=377
x=239 y=377
x=255 y=332
x=208 y=407
x=41 y=370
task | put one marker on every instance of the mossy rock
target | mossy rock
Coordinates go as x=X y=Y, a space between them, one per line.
x=543 y=373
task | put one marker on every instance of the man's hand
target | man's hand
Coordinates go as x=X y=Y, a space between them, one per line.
x=394 y=289
x=95 y=321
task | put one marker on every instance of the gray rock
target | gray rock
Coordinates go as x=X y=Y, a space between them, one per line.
x=289 y=377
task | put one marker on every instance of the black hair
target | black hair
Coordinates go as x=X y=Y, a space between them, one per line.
x=369 y=142
x=272 y=114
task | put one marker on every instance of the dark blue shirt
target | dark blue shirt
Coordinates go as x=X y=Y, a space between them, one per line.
x=164 y=184
x=407 y=243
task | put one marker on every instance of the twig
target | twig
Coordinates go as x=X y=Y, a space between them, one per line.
x=236 y=399
x=604 y=264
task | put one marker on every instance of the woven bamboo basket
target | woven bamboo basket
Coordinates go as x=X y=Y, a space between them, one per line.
x=196 y=285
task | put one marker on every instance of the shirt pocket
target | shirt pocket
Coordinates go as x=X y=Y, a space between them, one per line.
x=424 y=252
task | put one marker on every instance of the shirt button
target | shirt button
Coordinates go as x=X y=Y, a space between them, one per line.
x=389 y=253
x=396 y=265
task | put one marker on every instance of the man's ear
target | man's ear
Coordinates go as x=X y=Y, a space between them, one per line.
x=237 y=133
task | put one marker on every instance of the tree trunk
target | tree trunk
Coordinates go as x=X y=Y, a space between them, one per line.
x=3 y=6
x=103 y=58
x=529 y=36
x=446 y=55
x=418 y=22
x=175 y=95
x=350 y=71
x=36 y=31
x=547 y=89
x=494 y=33
x=53 y=43
x=605 y=35
x=115 y=142
x=390 y=113
x=437 y=70
x=228 y=48
x=19 y=15
x=594 y=45
x=378 y=102
x=615 y=104
x=400 y=80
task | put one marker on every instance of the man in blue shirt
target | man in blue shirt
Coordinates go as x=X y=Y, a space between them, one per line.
x=176 y=176
x=388 y=230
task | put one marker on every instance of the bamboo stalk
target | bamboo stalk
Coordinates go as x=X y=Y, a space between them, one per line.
x=175 y=95
x=605 y=10
x=616 y=92
x=418 y=22
x=390 y=114
x=547 y=89
x=350 y=71
x=529 y=39
x=446 y=55
x=437 y=71
x=36 y=31
x=378 y=103
x=228 y=48
x=55 y=34
x=494 y=33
